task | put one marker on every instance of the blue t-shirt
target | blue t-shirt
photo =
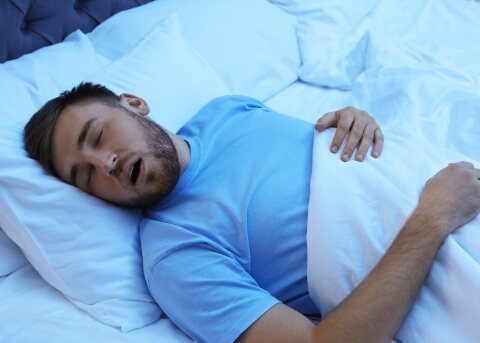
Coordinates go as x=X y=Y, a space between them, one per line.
x=229 y=242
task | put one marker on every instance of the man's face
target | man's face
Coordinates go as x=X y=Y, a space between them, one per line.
x=114 y=154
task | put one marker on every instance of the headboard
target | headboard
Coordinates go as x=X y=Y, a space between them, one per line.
x=27 y=25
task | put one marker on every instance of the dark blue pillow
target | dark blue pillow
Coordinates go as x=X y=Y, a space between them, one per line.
x=27 y=25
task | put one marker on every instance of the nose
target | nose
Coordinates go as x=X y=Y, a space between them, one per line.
x=103 y=161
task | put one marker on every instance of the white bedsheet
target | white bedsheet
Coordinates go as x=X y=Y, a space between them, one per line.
x=33 y=311
x=355 y=212
x=426 y=96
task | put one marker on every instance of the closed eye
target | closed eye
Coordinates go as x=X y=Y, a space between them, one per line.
x=90 y=170
x=97 y=143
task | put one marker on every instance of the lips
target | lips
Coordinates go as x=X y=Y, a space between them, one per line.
x=134 y=172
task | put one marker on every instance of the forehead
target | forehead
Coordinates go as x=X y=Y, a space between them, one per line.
x=83 y=111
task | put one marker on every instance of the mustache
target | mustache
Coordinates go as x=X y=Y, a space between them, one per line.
x=120 y=165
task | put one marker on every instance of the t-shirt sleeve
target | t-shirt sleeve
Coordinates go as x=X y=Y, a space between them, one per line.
x=207 y=294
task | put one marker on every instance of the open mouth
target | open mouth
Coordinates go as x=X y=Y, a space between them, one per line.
x=135 y=171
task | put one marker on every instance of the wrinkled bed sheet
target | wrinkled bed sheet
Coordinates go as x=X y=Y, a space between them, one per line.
x=429 y=108
x=427 y=100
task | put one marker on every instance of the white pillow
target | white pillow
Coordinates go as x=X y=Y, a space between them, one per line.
x=346 y=14
x=11 y=257
x=251 y=44
x=87 y=249
x=47 y=218
x=332 y=39
x=171 y=76
x=30 y=80
x=330 y=59
x=84 y=247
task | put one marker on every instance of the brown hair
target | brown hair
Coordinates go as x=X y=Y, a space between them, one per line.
x=39 y=129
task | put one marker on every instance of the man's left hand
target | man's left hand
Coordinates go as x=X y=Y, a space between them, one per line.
x=361 y=127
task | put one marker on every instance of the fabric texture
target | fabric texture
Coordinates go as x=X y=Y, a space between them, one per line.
x=332 y=40
x=28 y=82
x=428 y=109
x=251 y=44
x=205 y=246
x=28 y=25
x=86 y=248
x=163 y=79
x=345 y=245
x=12 y=256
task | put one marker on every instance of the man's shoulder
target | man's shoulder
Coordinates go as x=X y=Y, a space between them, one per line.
x=219 y=111
x=229 y=101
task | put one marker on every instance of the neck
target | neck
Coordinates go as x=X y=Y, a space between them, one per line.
x=183 y=151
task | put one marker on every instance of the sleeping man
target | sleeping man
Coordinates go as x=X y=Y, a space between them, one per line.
x=224 y=234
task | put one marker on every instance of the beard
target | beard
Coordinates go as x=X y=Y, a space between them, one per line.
x=162 y=179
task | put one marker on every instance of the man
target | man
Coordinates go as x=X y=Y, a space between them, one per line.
x=224 y=236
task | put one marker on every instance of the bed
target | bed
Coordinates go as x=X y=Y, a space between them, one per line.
x=70 y=265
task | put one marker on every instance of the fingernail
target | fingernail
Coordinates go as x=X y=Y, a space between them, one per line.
x=345 y=157
x=334 y=149
x=360 y=157
x=375 y=154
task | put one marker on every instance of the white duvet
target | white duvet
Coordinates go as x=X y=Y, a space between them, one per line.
x=429 y=109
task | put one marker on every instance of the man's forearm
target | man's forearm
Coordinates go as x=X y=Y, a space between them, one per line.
x=374 y=311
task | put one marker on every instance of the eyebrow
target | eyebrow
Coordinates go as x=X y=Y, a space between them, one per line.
x=80 y=141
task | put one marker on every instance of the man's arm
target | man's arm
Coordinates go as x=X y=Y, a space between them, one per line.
x=374 y=311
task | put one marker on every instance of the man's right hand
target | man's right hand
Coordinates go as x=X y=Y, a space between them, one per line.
x=451 y=198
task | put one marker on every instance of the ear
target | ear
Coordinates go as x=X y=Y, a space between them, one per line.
x=134 y=103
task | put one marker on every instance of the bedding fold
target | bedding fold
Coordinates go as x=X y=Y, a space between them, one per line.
x=429 y=111
x=355 y=212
